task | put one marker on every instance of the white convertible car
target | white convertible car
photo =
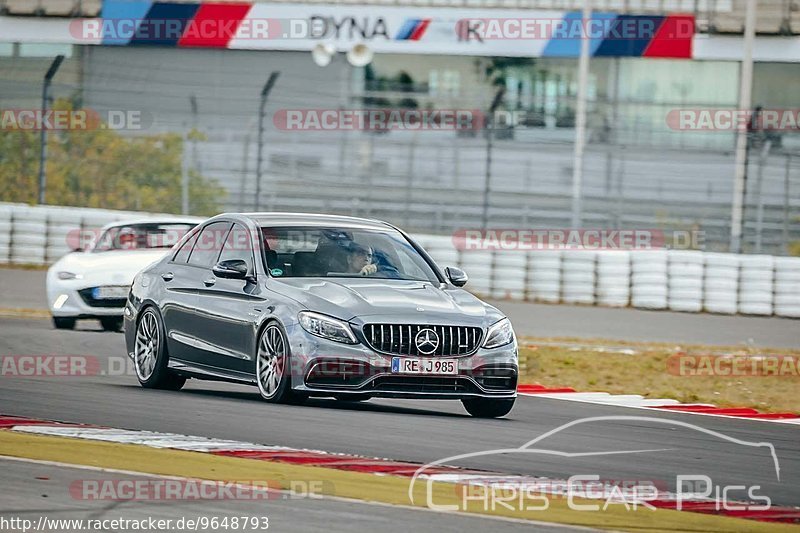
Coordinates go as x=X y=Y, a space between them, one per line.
x=94 y=283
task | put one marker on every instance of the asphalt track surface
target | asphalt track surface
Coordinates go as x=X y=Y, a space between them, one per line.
x=43 y=490
x=420 y=431
x=25 y=289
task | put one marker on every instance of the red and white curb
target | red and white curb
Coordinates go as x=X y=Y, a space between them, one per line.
x=665 y=404
x=373 y=465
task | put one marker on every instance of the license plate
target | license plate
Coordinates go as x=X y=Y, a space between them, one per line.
x=110 y=293
x=411 y=365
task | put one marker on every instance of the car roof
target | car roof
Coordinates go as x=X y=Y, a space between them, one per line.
x=314 y=219
x=154 y=220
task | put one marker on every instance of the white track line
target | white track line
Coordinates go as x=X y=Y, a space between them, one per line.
x=629 y=400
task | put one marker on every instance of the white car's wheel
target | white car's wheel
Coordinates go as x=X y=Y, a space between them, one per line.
x=63 y=322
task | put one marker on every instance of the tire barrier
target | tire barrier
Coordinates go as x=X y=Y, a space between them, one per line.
x=756 y=284
x=678 y=280
x=479 y=266
x=577 y=276
x=544 y=276
x=721 y=283
x=649 y=279
x=685 y=274
x=613 y=287
x=787 y=286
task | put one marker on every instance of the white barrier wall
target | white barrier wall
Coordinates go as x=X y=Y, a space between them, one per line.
x=787 y=286
x=40 y=235
x=721 y=283
x=649 y=279
x=655 y=279
x=613 y=278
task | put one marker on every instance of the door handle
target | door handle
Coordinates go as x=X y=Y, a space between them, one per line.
x=210 y=281
x=167 y=276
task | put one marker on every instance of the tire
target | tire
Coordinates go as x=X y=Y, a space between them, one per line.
x=353 y=398
x=150 y=355
x=273 y=359
x=111 y=323
x=61 y=322
x=488 y=407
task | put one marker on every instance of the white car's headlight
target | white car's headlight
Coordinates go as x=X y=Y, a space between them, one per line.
x=69 y=275
x=500 y=334
x=326 y=327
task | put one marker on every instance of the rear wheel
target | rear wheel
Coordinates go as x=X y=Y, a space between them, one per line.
x=111 y=323
x=488 y=407
x=150 y=355
x=273 y=367
x=61 y=322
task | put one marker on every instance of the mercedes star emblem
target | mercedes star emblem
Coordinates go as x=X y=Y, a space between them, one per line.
x=427 y=341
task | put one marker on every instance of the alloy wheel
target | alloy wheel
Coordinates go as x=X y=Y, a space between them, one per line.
x=147 y=344
x=271 y=361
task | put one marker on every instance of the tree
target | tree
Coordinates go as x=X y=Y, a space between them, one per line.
x=98 y=167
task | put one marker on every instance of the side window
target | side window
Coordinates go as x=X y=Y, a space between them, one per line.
x=208 y=244
x=183 y=254
x=238 y=246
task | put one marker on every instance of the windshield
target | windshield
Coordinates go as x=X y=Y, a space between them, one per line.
x=144 y=236
x=343 y=253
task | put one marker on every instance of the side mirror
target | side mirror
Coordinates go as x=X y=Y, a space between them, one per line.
x=231 y=269
x=456 y=276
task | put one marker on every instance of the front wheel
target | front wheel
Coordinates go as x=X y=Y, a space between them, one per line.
x=150 y=355
x=273 y=367
x=488 y=407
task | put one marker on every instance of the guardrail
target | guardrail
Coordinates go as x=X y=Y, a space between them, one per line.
x=678 y=280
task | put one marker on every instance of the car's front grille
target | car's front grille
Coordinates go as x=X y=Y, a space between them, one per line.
x=88 y=297
x=402 y=339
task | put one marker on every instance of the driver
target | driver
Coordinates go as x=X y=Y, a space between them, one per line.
x=359 y=260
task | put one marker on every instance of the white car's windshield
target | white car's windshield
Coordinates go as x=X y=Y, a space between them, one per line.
x=345 y=253
x=142 y=236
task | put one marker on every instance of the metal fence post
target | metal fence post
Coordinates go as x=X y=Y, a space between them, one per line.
x=762 y=159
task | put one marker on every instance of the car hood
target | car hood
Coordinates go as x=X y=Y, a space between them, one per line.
x=112 y=267
x=388 y=300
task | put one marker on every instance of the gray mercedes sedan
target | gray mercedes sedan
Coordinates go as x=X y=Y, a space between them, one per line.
x=317 y=305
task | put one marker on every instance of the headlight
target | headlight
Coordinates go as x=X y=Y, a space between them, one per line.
x=69 y=275
x=500 y=334
x=326 y=327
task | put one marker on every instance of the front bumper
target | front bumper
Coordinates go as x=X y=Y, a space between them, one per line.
x=325 y=367
x=73 y=300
